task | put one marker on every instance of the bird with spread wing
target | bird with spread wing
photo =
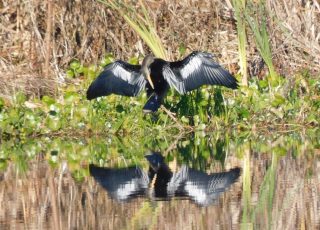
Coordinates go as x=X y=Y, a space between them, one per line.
x=124 y=184
x=157 y=76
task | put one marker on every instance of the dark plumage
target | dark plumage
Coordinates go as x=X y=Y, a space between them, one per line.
x=202 y=188
x=199 y=186
x=158 y=75
x=121 y=184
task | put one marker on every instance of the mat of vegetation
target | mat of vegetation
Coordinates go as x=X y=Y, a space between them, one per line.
x=285 y=106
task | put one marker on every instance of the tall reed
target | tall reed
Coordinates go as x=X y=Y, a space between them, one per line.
x=246 y=191
x=256 y=17
x=239 y=8
x=140 y=23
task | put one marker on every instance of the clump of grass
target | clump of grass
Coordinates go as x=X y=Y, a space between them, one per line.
x=256 y=17
x=239 y=8
x=140 y=23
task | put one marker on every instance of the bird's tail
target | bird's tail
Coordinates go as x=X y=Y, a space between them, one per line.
x=153 y=104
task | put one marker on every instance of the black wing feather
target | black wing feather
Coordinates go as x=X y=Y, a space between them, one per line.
x=212 y=185
x=117 y=78
x=201 y=187
x=196 y=70
x=121 y=184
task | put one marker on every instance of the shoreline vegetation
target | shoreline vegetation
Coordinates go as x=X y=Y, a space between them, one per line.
x=48 y=61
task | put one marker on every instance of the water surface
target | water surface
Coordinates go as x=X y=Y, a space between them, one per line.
x=50 y=184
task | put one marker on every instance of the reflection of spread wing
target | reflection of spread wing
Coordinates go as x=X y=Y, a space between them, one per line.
x=121 y=184
x=204 y=189
x=196 y=70
x=119 y=78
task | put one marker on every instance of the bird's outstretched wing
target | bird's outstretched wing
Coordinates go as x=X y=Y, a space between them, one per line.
x=121 y=184
x=204 y=189
x=196 y=70
x=117 y=78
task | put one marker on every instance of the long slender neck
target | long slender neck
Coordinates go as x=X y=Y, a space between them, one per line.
x=147 y=61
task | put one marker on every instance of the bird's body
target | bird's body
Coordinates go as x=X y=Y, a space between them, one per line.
x=157 y=76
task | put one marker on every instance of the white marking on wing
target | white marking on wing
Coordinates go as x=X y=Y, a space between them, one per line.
x=127 y=189
x=190 y=67
x=199 y=195
x=119 y=71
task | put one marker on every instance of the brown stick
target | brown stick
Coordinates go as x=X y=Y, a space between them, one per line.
x=48 y=38
x=53 y=200
x=172 y=117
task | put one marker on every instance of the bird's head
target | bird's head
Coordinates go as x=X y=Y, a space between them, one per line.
x=156 y=160
x=147 y=61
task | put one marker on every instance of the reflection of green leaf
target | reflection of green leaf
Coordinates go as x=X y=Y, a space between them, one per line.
x=220 y=153
x=79 y=175
x=3 y=165
x=280 y=150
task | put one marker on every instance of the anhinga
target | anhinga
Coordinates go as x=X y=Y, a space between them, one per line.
x=158 y=75
x=128 y=183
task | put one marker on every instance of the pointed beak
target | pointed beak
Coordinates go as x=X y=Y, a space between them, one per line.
x=150 y=81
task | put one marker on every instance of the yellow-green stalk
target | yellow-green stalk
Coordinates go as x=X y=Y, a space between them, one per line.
x=239 y=8
x=258 y=26
x=246 y=191
x=141 y=24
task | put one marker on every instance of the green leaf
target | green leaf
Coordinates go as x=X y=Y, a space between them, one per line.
x=71 y=97
x=182 y=49
x=1 y=104
x=185 y=120
x=20 y=98
x=278 y=100
x=107 y=60
x=70 y=73
x=134 y=61
x=263 y=84
x=54 y=124
x=75 y=64
x=244 y=113
x=48 y=100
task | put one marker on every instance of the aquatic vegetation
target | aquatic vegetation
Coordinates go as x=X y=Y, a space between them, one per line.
x=292 y=105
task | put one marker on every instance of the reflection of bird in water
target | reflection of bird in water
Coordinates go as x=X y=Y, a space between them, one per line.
x=157 y=75
x=202 y=188
x=121 y=184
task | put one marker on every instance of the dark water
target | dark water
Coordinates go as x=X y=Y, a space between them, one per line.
x=194 y=182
